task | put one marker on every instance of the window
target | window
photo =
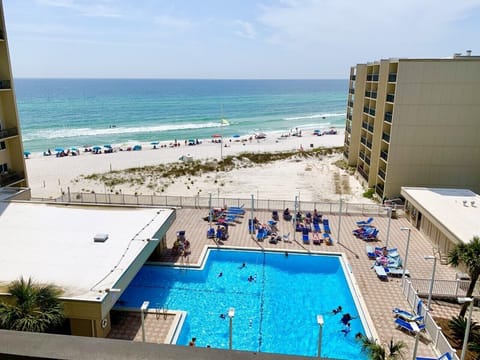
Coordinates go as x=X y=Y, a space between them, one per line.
x=3 y=146
x=3 y=167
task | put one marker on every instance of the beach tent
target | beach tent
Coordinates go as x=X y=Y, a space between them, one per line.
x=27 y=154
x=59 y=149
x=137 y=147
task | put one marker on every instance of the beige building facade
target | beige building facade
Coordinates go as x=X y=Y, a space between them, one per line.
x=415 y=122
x=12 y=162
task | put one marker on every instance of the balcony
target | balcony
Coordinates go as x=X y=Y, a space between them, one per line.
x=370 y=128
x=363 y=140
x=381 y=173
x=388 y=117
x=6 y=133
x=362 y=172
x=392 y=77
x=349 y=116
x=348 y=129
x=361 y=155
x=372 y=77
x=369 y=145
x=379 y=190
x=10 y=178
x=365 y=125
x=371 y=111
x=384 y=155
x=386 y=137
x=5 y=85
x=371 y=94
x=353 y=77
x=367 y=160
x=350 y=103
x=351 y=91
x=391 y=98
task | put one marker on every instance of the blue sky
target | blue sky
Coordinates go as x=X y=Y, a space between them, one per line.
x=230 y=39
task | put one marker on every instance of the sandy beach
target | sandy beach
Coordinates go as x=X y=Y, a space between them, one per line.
x=312 y=179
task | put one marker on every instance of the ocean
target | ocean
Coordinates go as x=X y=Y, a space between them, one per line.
x=85 y=112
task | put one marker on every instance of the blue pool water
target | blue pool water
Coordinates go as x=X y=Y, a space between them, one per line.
x=275 y=313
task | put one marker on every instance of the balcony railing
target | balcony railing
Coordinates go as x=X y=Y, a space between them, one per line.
x=353 y=77
x=392 y=77
x=349 y=116
x=365 y=125
x=386 y=137
x=367 y=160
x=371 y=94
x=361 y=155
x=5 y=133
x=372 y=77
x=388 y=117
x=371 y=111
x=384 y=155
x=391 y=98
x=350 y=103
x=363 y=141
x=11 y=178
x=370 y=128
x=348 y=129
x=381 y=173
x=362 y=172
x=369 y=145
x=351 y=91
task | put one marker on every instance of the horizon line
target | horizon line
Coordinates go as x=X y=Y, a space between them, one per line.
x=153 y=78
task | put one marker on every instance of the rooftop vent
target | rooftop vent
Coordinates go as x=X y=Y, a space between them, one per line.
x=473 y=204
x=468 y=52
x=100 y=238
x=465 y=203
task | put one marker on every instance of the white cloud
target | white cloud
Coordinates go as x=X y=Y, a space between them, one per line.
x=173 y=23
x=99 y=8
x=246 y=29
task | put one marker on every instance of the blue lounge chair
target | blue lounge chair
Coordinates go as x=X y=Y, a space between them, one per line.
x=406 y=315
x=445 y=356
x=305 y=237
x=327 y=238
x=326 y=226
x=410 y=326
x=365 y=222
x=382 y=275
x=371 y=252
x=211 y=233
x=316 y=227
x=261 y=234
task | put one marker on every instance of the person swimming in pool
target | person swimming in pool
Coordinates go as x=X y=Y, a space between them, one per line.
x=346 y=318
x=346 y=330
x=337 y=310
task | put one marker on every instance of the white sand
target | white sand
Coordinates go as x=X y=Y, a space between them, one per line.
x=313 y=179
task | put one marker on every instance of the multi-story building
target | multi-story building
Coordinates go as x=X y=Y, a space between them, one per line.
x=12 y=162
x=415 y=122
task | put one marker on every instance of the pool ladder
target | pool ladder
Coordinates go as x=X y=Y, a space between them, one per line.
x=159 y=310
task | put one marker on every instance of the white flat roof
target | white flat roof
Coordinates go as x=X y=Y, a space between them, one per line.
x=55 y=244
x=457 y=209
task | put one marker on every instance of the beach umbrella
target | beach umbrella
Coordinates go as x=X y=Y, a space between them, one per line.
x=154 y=143
x=97 y=147
x=108 y=146
x=236 y=135
x=73 y=148
x=59 y=149
x=27 y=153
x=216 y=136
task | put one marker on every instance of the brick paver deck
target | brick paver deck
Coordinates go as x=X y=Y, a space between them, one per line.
x=379 y=296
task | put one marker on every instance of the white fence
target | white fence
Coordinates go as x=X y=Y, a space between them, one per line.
x=204 y=202
x=439 y=340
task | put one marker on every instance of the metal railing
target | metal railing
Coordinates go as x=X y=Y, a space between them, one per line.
x=441 y=288
x=200 y=202
x=439 y=341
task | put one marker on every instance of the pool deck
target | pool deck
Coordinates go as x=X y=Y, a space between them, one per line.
x=379 y=296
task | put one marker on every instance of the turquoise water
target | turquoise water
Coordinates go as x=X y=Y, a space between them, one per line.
x=275 y=313
x=77 y=112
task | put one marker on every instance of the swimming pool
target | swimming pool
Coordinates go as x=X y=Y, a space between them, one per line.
x=275 y=313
